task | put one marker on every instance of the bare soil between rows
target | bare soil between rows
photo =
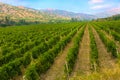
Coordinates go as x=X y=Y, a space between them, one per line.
x=82 y=65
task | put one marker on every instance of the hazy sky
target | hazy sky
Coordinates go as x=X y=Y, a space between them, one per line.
x=82 y=6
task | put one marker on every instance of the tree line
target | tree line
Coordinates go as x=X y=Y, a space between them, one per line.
x=7 y=21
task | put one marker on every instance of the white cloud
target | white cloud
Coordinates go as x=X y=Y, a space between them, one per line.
x=98 y=4
x=14 y=2
x=96 y=1
x=100 y=7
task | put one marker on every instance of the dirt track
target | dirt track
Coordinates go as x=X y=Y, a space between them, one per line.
x=56 y=72
x=82 y=65
x=105 y=59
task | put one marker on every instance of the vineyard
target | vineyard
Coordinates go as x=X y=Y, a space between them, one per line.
x=61 y=51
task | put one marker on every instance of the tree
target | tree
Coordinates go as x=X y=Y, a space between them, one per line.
x=7 y=20
x=74 y=19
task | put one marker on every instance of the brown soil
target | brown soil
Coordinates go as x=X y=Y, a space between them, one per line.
x=116 y=42
x=56 y=72
x=105 y=59
x=82 y=65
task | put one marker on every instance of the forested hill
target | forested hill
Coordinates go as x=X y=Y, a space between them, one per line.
x=112 y=18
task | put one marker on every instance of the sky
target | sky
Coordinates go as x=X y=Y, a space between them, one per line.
x=78 y=6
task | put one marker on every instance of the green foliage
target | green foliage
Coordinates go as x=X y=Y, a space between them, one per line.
x=72 y=54
x=110 y=44
x=27 y=59
x=112 y=48
x=31 y=74
x=112 y=18
x=46 y=59
x=11 y=69
x=33 y=45
x=93 y=52
x=116 y=35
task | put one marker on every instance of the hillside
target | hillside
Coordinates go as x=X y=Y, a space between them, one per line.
x=23 y=13
x=111 y=18
x=79 y=16
x=20 y=12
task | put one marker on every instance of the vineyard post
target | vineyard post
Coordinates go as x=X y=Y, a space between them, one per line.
x=117 y=51
x=66 y=65
x=95 y=66
x=117 y=48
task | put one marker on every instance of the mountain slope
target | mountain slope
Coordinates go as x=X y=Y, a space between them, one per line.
x=23 y=13
x=111 y=18
x=20 y=12
x=80 y=16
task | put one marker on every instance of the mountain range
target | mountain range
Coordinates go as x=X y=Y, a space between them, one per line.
x=46 y=15
x=20 y=12
x=81 y=16
x=108 y=13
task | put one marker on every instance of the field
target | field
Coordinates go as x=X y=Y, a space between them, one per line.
x=61 y=51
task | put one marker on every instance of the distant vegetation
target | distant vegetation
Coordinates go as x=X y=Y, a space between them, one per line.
x=11 y=15
x=7 y=21
x=20 y=15
x=112 y=18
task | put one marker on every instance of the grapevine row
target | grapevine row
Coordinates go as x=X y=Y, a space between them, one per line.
x=110 y=44
x=46 y=59
x=73 y=51
x=93 y=52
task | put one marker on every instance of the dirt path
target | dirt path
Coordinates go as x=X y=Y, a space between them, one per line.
x=56 y=72
x=116 y=42
x=105 y=59
x=82 y=65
